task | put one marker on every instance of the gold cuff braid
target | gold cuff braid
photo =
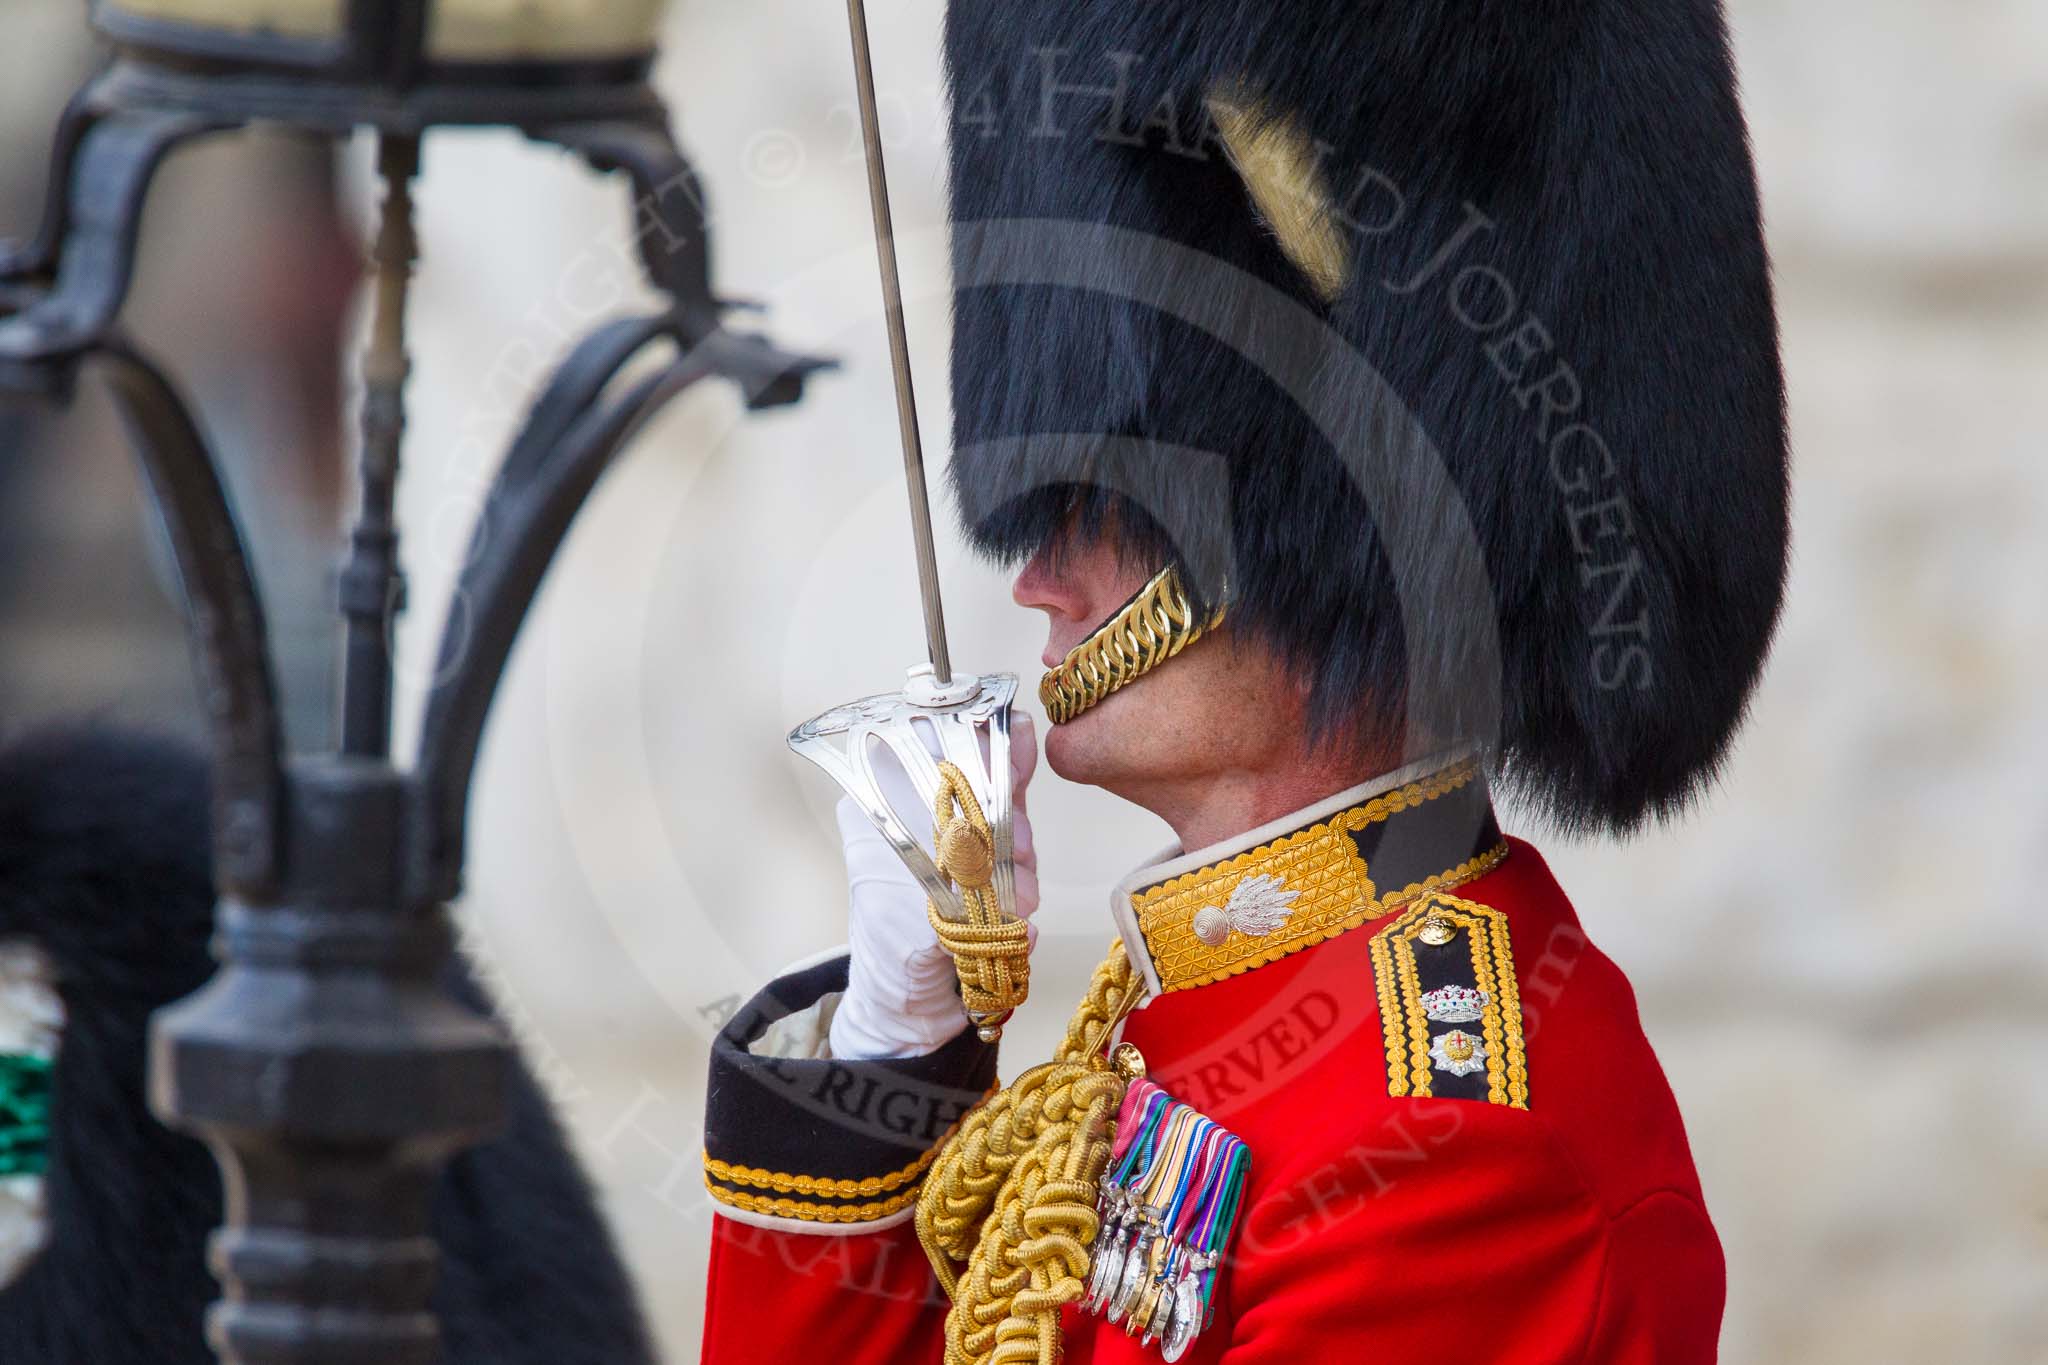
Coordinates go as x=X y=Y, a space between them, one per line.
x=991 y=950
x=1007 y=1213
x=1159 y=623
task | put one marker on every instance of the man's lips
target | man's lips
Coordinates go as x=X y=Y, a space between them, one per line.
x=1057 y=653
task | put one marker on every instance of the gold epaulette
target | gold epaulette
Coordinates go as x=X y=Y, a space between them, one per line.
x=1450 y=1004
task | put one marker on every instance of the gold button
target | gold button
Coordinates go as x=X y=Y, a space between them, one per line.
x=1437 y=931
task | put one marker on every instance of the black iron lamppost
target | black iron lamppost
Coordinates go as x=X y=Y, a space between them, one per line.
x=324 y=1065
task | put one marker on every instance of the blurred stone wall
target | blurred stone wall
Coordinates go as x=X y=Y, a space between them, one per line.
x=1841 y=959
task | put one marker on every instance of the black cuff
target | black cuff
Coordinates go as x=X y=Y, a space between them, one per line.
x=829 y=1141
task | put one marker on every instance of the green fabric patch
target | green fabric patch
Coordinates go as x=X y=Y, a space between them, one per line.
x=24 y=1114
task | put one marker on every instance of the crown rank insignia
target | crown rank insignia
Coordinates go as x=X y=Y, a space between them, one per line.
x=1454 y=1004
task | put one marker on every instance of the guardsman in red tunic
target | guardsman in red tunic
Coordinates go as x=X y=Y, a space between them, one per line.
x=1383 y=403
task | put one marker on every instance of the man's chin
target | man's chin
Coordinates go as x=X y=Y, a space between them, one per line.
x=1061 y=751
x=1088 y=748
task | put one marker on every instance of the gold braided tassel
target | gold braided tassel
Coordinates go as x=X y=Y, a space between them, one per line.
x=991 y=951
x=1007 y=1213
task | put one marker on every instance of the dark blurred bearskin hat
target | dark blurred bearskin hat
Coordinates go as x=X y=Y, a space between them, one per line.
x=1435 y=339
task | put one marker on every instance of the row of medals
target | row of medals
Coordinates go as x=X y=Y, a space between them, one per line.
x=1149 y=1282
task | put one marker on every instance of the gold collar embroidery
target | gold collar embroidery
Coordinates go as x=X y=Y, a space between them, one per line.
x=1358 y=857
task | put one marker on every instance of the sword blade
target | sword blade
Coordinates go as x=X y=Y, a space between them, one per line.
x=899 y=350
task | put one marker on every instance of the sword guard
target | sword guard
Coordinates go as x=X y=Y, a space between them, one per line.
x=966 y=723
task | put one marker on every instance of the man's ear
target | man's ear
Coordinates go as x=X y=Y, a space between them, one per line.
x=1282 y=170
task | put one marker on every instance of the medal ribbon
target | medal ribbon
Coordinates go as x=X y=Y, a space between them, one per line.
x=1169 y=1203
x=24 y=1114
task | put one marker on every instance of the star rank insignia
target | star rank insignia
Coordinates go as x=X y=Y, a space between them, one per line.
x=1458 y=1053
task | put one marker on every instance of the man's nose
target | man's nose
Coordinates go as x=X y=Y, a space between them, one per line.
x=1041 y=587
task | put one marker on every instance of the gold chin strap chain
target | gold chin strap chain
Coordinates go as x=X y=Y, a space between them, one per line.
x=991 y=951
x=1008 y=1211
x=1158 y=623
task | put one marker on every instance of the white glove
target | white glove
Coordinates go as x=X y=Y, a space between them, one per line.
x=902 y=994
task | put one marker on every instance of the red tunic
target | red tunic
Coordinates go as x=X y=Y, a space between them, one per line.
x=1377 y=1225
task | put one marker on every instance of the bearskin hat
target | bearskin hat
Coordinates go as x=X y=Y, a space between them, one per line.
x=1436 y=341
